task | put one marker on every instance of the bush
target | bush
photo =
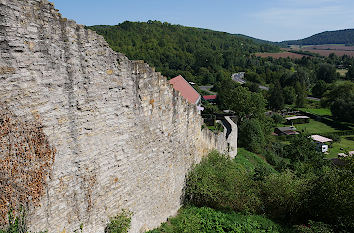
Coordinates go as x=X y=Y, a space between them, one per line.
x=193 y=219
x=277 y=118
x=120 y=223
x=220 y=183
x=332 y=198
x=314 y=227
x=283 y=195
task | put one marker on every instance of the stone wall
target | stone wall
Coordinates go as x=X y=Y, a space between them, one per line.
x=123 y=138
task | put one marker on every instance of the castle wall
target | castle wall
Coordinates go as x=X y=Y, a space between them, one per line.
x=124 y=139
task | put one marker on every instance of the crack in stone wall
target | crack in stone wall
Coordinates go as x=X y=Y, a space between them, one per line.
x=124 y=138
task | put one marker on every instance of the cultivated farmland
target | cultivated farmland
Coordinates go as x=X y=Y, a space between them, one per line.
x=280 y=55
x=326 y=50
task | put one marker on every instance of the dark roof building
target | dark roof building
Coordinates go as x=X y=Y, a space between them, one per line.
x=285 y=131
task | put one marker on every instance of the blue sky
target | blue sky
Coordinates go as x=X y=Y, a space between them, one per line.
x=274 y=20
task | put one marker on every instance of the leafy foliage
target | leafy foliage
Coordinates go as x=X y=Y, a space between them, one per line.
x=306 y=188
x=251 y=135
x=207 y=220
x=17 y=224
x=276 y=99
x=314 y=227
x=327 y=73
x=244 y=103
x=340 y=99
x=120 y=223
x=220 y=183
x=284 y=195
x=331 y=197
x=197 y=54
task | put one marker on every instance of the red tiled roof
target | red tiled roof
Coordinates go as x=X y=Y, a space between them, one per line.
x=209 y=97
x=186 y=90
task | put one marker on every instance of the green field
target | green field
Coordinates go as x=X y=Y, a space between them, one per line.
x=346 y=143
x=314 y=127
x=317 y=111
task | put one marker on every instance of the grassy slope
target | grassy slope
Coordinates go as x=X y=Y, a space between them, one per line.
x=250 y=160
x=317 y=111
x=315 y=127
x=346 y=142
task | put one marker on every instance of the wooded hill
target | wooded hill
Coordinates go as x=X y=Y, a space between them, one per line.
x=329 y=37
x=200 y=55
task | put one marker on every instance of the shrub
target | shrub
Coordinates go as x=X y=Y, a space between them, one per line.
x=332 y=198
x=283 y=195
x=277 y=118
x=220 y=183
x=193 y=219
x=314 y=227
x=120 y=223
x=17 y=224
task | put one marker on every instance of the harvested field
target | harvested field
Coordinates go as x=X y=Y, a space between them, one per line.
x=326 y=50
x=329 y=47
x=280 y=55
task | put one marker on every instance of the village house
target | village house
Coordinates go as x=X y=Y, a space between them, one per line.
x=321 y=142
x=210 y=98
x=186 y=90
x=291 y=130
x=297 y=120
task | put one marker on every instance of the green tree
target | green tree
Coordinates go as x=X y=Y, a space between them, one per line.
x=340 y=99
x=253 y=77
x=327 y=73
x=319 y=89
x=289 y=95
x=244 y=103
x=350 y=73
x=300 y=95
x=276 y=98
x=251 y=135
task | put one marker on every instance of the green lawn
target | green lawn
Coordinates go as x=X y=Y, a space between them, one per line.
x=314 y=127
x=317 y=111
x=250 y=160
x=346 y=142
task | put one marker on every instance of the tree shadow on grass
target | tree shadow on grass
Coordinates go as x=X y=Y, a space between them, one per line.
x=350 y=138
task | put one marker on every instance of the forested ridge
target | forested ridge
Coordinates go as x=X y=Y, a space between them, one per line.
x=329 y=37
x=200 y=55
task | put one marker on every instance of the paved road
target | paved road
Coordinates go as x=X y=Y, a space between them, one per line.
x=313 y=98
x=237 y=78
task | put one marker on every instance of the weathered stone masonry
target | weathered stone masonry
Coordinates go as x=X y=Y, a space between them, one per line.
x=123 y=138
